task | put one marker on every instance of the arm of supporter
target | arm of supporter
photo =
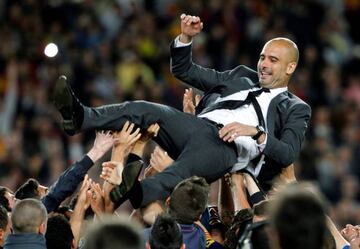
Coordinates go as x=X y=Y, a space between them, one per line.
x=83 y=202
x=71 y=177
x=285 y=150
x=183 y=68
x=340 y=241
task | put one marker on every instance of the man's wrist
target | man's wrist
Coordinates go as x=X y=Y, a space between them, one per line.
x=95 y=154
x=185 y=38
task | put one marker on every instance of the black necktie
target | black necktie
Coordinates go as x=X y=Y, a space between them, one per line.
x=234 y=104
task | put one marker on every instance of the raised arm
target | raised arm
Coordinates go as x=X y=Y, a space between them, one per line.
x=70 y=178
x=183 y=68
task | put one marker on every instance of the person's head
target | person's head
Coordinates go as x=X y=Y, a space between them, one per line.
x=261 y=210
x=58 y=233
x=31 y=189
x=297 y=219
x=188 y=200
x=5 y=225
x=165 y=234
x=113 y=234
x=7 y=198
x=278 y=60
x=29 y=216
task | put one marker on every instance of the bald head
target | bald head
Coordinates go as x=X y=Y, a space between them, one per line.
x=292 y=50
x=28 y=215
x=277 y=62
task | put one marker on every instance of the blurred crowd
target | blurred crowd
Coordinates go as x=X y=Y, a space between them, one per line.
x=118 y=50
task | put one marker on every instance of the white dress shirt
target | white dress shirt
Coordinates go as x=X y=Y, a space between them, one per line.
x=247 y=148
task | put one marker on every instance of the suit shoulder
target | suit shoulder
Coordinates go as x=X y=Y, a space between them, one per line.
x=244 y=71
x=296 y=102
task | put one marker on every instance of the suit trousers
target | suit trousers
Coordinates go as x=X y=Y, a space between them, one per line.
x=193 y=142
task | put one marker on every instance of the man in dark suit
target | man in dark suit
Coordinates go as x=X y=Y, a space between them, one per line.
x=204 y=145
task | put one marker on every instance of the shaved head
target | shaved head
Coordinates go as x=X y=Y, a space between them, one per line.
x=277 y=62
x=292 y=49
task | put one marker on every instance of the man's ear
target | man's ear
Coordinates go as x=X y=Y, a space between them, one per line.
x=147 y=245
x=291 y=68
x=2 y=235
x=73 y=244
x=167 y=201
x=183 y=246
x=42 y=228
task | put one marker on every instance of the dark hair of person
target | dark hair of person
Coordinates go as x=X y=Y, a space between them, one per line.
x=189 y=199
x=299 y=220
x=165 y=233
x=28 y=190
x=113 y=234
x=3 y=200
x=261 y=208
x=4 y=218
x=58 y=233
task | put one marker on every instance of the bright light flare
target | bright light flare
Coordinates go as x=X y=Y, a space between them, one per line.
x=51 y=50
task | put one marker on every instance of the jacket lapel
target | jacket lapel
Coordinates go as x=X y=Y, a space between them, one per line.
x=271 y=117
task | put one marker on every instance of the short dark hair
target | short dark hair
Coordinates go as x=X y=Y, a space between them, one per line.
x=298 y=216
x=58 y=234
x=4 y=218
x=3 y=200
x=165 y=233
x=261 y=208
x=113 y=234
x=28 y=190
x=28 y=215
x=189 y=199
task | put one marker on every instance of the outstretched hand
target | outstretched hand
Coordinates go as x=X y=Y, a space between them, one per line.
x=112 y=172
x=103 y=142
x=190 y=26
x=124 y=141
x=160 y=160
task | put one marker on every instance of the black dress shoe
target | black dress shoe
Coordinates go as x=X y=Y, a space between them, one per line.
x=129 y=187
x=69 y=106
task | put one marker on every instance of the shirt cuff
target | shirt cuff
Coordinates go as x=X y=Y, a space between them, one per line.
x=178 y=43
x=261 y=146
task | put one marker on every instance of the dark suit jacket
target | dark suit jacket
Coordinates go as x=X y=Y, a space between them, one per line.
x=287 y=117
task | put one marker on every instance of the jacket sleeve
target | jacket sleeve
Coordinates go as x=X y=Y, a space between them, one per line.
x=183 y=68
x=67 y=183
x=286 y=149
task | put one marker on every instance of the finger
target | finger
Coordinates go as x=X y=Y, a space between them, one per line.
x=201 y=25
x=135 y=139
x=134 y=134
x=109 y=164
x=197 y=99
x=182 y=16
x=228 y=136
x=156 y=129
x=125 y=127
x=131 y=127
x=85 y=180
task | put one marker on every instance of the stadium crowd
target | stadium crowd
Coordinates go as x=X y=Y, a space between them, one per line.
x=118 y=50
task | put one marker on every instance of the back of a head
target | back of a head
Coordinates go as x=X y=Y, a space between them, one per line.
x=298 y=217
x=113 y=234
x=28 y=215
x=28 y=190
x=58 y=233
x=189 y=199
x=165 y=234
